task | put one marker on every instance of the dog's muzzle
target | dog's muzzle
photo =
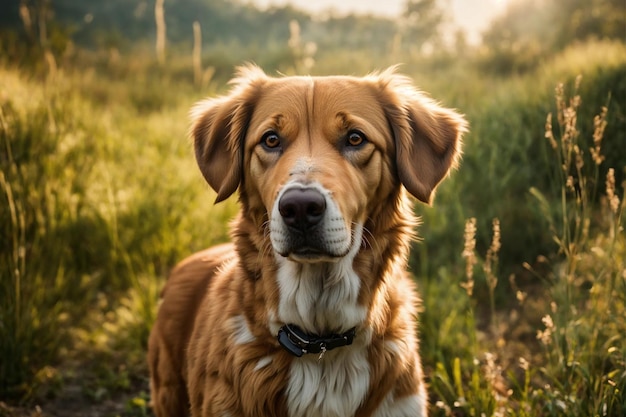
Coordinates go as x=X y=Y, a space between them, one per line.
x=307 y=226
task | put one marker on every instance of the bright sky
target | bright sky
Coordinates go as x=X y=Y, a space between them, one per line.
x=472 y=15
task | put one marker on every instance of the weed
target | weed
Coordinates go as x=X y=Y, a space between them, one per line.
x=76 y=227
x=41 y=196
x=579 y=365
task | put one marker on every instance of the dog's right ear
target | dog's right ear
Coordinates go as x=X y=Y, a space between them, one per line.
x=219 y=128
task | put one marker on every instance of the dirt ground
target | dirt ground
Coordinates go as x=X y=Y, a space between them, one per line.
x=74 y=400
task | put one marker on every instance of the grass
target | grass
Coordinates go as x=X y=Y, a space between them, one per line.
x=85 y=242
x=503 y=153
x=579 y=365
x=522 y=268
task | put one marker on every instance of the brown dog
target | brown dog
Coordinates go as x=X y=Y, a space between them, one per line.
x=309 y=312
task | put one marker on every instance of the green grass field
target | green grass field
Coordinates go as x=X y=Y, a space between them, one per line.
x=522 y=265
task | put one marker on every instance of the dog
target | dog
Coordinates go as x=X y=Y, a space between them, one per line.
x=309 y=312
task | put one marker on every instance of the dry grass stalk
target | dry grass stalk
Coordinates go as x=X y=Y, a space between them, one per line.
x=567 y=111
x=545 y=336
x=549 y=134
x=302 y=52
x=197 y=53
x=599 y=124
x=159 y=17
x=610 y=191
x=491 y=259
x=26 y=19
x=469 y=254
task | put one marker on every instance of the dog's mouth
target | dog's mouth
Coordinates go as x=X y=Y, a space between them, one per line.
x=313 y=246
x=307 y=254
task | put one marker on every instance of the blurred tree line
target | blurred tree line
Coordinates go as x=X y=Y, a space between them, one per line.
x=527 y=31
x=530 y=30
x=121 y=23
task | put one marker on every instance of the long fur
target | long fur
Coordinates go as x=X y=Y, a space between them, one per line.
x=213 y=350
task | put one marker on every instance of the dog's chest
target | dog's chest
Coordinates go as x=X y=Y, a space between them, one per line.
x=320 y=299
x=334 y=386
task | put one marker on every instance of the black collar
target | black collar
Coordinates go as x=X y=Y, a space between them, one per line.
x=297 y=342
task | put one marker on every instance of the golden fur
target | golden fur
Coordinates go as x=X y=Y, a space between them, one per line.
x=361 y=143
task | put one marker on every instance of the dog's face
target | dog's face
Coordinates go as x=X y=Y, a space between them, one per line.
x=316 y=158
x=316 y=153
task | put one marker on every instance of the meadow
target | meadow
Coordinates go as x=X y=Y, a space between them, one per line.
x=521 y=262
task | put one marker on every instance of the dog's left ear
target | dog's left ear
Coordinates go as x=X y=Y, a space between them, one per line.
x=427 y=136
x=218 y=130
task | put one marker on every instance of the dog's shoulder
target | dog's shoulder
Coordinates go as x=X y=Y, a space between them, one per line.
x=187 y=286
x=195 y=272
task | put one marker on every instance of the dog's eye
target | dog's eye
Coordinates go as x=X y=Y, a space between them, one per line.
x=355 y=138
x=270 y=141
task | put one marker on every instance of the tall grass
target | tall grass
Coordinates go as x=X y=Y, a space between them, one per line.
x=98 y=200
x=577 y=367
x=42 y=185
x=502 y=159
x=585 y=331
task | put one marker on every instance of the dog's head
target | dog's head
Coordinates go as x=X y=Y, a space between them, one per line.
x=315 y=158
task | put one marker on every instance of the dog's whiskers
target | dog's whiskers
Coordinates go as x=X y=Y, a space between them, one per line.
x=370 y=240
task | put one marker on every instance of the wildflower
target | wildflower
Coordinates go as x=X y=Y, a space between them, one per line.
x=610 y=191
x=469 y=254
x=560 y=102
x=519 y=294
x=546 y=335
x=599 y=123
x=493 y=376
x=523 y=363
x=460 y=402
x=569 y=124
x=491 y=369
x=567 y=117
x=549 y=135
x=492 y=256
x=443 y=406
x=579 y=158
x=547 y=321
x=495 y=242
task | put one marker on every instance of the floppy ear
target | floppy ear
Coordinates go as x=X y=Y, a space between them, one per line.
x=427 y=136
x=219 y=128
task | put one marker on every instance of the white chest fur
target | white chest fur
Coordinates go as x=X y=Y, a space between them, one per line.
x=332 y=387
x=321 y=299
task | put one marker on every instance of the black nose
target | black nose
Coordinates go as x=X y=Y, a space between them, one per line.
x=302 y=208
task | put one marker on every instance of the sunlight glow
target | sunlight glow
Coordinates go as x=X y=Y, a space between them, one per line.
x=473 y=16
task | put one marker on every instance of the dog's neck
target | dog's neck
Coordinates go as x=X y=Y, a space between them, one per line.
x=320 y=298
x=329 y=297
